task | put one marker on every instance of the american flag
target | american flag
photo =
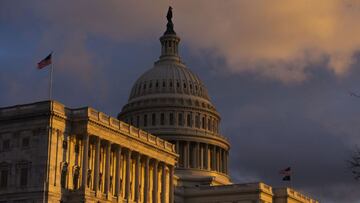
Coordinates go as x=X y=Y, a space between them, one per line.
x=286 y=174
x=45 y=62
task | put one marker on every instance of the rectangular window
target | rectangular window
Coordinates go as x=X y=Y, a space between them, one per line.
x=171 y=119
x=4 y=178
x=23 y=177
x=197 y=121
x=25 y=142
x=137 y=121
x=209 y=124
x=6 y=145
x=145 y=120
x=180 y=118
x=203 y=122
x=162 y=119
x=153 y=119
x=188 y=120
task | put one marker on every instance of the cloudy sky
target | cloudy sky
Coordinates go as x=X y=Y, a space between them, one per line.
x=279 y=72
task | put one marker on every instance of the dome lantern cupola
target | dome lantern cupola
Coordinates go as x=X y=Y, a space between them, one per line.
x=169 y=41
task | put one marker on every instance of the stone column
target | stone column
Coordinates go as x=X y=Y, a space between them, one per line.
x=146 y=180
x=206 y=157
x=171 y=184
x=213 y=158
x=218 y=159
x=107 y=168
x=193 y=152
x=85 y=160
x=97 y=164
x=177 y=151
x=197 y=162
x=227 y=162
x=155 y=182
x=163 y=183
x=186 y=154
x=137 y=178
x=127 y=181
x=118 y=171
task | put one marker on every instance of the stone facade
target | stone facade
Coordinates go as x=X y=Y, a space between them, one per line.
x=80 y=155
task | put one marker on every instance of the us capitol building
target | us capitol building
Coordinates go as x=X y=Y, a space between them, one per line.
x=165 y=146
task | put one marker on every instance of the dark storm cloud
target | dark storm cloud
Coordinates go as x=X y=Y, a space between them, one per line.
x=302 y=116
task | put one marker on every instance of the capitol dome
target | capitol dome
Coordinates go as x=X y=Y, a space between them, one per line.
x=170 y=101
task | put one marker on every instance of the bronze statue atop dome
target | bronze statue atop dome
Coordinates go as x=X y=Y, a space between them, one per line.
x=170 y=24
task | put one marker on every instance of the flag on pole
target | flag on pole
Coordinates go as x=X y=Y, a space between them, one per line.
x=286 y=174
x=45 y=62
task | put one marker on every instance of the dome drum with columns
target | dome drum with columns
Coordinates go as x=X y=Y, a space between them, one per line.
x=172 y=102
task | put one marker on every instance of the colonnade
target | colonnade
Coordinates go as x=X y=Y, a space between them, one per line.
x=202 y=156
x=115 y=171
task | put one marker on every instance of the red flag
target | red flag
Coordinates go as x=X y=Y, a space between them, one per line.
x=45 y=62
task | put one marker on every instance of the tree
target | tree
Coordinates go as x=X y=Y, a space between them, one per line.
x=354 y=163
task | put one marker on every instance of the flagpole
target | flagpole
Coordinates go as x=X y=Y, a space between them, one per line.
x=51 y=78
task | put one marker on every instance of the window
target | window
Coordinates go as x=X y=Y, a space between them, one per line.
x=4 y=178
x=6 y=145
x=209 y=124
x=180 y=118
x=131 y=121
x=188 y=120
x=144 y=86
x=162 y=119
x=177 y=84
x=137 y=121
x=170 y=84
x=203 y=122
x=157 y=84
x=145 y=120
x=25 y=142
x=197 y=121
x=171 y=119
x=153 y=119
x=23 y=176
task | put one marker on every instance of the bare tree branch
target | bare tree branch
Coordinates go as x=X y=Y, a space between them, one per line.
x=354 y=163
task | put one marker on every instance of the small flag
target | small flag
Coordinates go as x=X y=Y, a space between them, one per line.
x=286 y=174
x=45 y=62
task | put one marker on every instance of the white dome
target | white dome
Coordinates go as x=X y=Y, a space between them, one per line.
x=167 y=77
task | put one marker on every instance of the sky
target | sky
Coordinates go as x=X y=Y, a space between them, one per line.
x=279 y=72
